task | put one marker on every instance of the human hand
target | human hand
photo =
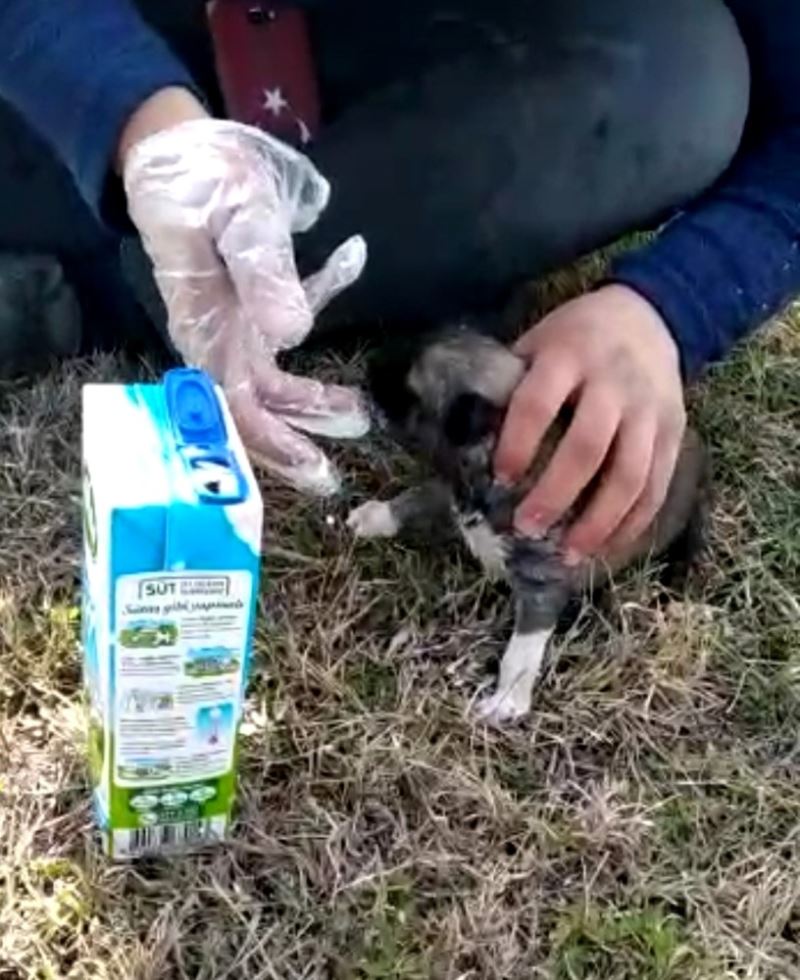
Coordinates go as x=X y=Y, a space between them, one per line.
x=216 y=204
x=609 y=355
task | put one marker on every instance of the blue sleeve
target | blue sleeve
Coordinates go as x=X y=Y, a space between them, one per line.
x=76 y=70
x=726 y=265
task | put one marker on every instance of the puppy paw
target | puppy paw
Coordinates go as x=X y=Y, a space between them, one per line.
x=503 y=708
x=374 y=519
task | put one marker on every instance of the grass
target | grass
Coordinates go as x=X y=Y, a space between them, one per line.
x=645 y=822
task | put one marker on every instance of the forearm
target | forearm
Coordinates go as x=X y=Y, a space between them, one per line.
x=78 y=73
x=724 y=267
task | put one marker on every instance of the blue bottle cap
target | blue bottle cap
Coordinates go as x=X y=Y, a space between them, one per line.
x=201 y=436
x=193 y=408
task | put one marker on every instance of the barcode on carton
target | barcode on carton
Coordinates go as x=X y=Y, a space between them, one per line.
x=168 y=837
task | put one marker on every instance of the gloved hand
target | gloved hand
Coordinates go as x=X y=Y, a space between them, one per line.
x=216 y=204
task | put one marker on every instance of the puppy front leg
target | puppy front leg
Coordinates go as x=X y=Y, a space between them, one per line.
x=425 y=508
x=520 y=668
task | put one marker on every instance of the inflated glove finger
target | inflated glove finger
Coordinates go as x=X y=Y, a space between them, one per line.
x=274 y=444
x=343 y=268
x=258 y=252
x=335 y=411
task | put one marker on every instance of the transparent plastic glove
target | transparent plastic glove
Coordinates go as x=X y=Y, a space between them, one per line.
x=216 y=204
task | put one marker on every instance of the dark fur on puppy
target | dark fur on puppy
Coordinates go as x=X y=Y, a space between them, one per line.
x=445 y=395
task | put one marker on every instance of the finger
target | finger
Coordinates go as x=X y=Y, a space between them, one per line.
x=255 y=243
x=276 y=446
x=534 y=405
x=307 y=404
x=575 y=462
x=343 y=267
x=620 y=490
x=528 y=344
x=665 y=456
x=201 y=309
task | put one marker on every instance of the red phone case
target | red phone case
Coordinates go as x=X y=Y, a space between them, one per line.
x=265 y=67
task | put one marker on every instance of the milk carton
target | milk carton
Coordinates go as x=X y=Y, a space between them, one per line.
x=172 y=535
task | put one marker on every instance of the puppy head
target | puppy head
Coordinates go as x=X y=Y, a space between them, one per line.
x=445 y=393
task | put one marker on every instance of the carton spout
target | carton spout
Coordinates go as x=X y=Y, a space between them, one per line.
x=201 y=437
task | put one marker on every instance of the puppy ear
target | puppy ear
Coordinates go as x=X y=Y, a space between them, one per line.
x=470 y=419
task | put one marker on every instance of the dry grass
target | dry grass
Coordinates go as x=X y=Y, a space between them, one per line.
x=644 y=824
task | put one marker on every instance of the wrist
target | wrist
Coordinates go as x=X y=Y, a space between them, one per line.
x=166 y=108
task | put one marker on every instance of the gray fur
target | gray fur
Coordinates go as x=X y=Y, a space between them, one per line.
x=424 y=509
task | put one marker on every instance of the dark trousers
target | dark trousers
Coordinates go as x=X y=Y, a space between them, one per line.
x=475 y=145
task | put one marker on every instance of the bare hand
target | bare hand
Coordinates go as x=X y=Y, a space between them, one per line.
x=609 y=355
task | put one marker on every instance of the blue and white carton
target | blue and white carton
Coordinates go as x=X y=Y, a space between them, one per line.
x=172 y=542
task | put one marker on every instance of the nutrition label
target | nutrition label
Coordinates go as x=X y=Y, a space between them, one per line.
x=178 y=669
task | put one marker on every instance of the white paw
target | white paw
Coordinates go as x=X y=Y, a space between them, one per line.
x=503 y=708
x=374 y=519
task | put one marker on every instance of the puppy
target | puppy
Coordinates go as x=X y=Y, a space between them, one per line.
x=445 y=397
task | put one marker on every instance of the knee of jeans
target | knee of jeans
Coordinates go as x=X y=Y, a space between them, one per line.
x=723 y=70
x=664 y=95
x=702 y=100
